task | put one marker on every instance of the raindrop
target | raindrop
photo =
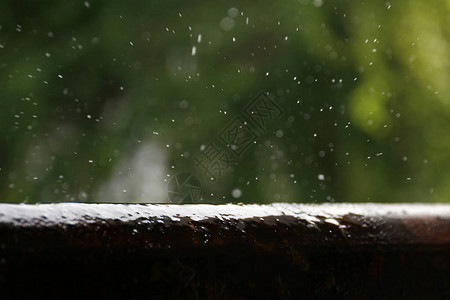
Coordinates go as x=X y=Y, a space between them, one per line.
x=233 y=12
x=318 y=3
x=279 y=133
x=236 y=193
x=227 y=23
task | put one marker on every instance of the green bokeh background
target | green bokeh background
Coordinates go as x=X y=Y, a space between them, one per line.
x=104 y=101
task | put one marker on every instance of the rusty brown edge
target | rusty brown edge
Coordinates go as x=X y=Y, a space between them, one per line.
x=267 y=229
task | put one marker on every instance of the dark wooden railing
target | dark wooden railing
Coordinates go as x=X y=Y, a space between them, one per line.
x=279 y=251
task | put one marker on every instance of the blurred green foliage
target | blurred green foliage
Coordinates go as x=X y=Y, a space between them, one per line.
x=107 y=100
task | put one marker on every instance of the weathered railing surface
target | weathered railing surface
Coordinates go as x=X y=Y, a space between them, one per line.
x=279 y=251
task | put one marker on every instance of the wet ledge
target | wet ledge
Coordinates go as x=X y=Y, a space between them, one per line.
x=227 y=251
x=159 y=226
